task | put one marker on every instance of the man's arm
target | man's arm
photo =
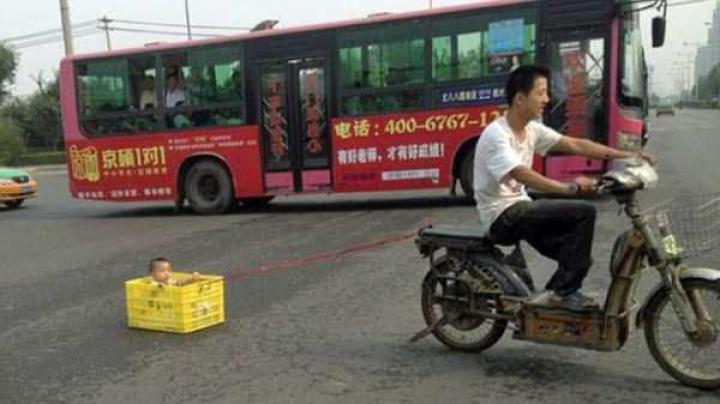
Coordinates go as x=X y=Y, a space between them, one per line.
x=588 y=148
x=533 y=180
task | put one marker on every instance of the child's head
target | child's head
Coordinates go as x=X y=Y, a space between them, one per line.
x=160 y=269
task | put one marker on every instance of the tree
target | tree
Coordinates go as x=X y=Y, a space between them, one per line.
x=709 y=86
x=38 y=116
x=8 y=67
x=11 y=142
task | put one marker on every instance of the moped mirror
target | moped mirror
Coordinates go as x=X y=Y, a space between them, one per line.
x=658 y=31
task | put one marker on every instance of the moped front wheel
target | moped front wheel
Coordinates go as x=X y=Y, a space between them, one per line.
x=691 y=359
x=445 y=306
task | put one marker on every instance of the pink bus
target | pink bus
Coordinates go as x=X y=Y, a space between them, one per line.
x=390 y=102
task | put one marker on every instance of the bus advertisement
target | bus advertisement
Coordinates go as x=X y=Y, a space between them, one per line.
x=386 y=103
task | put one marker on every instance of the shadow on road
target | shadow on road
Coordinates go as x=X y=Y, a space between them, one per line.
x=526 y=369
x=299 y=207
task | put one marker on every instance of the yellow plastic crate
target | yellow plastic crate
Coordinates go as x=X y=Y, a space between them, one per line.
x=178 y=309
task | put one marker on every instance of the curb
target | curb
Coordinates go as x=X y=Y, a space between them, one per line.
x=55 y=168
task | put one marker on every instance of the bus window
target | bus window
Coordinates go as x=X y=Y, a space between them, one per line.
x=110 y=94
x=351 y=67
x=381 y=70
x=204 y=87
x=470 y=55
x=632 y=80
x=477 y=47
x=442 y=58
x=577 y=83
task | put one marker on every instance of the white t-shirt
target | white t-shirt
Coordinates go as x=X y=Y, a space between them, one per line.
x=172 y=98
x=148 y=98
x=496 y=154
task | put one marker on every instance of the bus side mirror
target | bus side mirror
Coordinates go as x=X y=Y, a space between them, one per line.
x=658 y=31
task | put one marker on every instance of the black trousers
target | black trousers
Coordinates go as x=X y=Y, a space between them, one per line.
x=561 y=230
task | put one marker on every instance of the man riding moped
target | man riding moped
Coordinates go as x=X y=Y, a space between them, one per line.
x=559 y=229
x=472 y=292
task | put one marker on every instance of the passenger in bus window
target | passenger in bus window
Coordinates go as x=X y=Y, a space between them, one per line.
x=148 y=99
x=238 y=90
x=198 y=89
x=174 y=95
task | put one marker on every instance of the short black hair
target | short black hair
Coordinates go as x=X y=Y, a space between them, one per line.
x=156 y=260
x=522 y=79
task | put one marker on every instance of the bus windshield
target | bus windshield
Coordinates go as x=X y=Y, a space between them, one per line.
x=633 y=83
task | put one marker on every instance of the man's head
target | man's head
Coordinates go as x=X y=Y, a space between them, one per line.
x=172 y=82
x=160 y=269
x=149 y=83
x=527 y=91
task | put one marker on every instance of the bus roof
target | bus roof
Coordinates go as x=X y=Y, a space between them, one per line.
x=297 y=30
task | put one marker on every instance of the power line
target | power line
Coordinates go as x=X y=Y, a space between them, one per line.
x=46 y=33
x=148 y=31
x=59 y=38
x=165 y=24
x=84 y=24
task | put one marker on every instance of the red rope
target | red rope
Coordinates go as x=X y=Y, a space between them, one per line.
x=324 y=256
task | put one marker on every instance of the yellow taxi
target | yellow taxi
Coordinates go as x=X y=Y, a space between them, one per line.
x=16 y=186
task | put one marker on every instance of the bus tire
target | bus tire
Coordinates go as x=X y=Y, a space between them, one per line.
x=209 y=188
x=467 y=169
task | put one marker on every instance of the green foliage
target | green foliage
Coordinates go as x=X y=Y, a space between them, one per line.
x=42 y=158
x=709 y=86
x=8 y=67
x=39 y=116
x=11 y=142
x=34 y=121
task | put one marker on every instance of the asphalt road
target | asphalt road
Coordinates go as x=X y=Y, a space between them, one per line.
x=325 y=332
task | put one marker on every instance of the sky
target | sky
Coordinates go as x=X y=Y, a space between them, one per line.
x=685 y=26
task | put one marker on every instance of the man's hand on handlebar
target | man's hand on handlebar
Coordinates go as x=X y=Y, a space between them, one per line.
x=586 y=185
x=582 y=186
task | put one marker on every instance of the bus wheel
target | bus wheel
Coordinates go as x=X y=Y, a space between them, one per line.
x=209 y=188
x=467 y=168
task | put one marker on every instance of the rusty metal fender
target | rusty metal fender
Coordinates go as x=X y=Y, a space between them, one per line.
x=707 y=274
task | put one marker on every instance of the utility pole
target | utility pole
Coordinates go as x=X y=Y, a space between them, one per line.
x=105 y=21
x=187 y=20
x=66 y=27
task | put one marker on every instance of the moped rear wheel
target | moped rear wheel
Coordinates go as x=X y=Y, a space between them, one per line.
x=444 y=302
x=692 y=360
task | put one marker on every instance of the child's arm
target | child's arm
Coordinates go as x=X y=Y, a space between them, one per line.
x=181 y=282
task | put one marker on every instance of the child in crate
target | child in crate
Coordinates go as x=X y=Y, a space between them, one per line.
x=161 y=272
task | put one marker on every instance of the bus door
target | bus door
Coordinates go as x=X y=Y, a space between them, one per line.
x=578 y=90
x=294 y=126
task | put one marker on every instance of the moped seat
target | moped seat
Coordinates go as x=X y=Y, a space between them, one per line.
x=455 y=231
x=454 y=237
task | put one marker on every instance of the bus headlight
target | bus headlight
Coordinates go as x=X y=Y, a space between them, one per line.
x=629 y=142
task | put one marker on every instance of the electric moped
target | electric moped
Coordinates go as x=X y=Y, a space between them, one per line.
x=473 y=292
